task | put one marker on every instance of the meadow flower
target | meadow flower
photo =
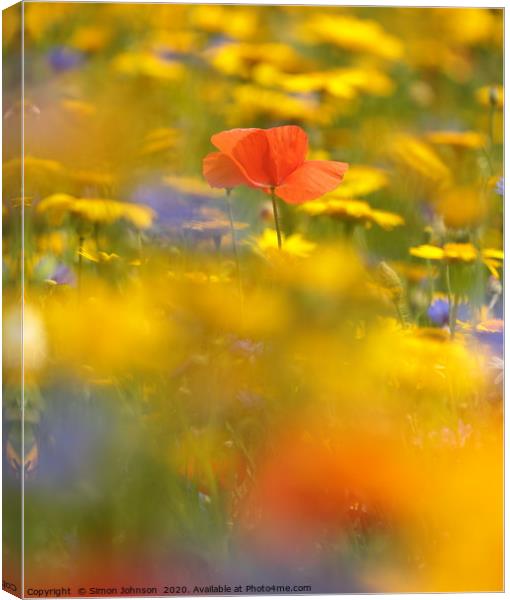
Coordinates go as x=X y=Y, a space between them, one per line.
x=346 y=83
x=240 y=59
x=251 y=102
x=439 y=311
x=62 y=275
x=352 y=34
x=96 y=210
x=87 y=178
x=175 y=200
x=461 y=206
x=460 y=253
x=490 y=95
x=457 y=139
x=271 y=159
x=148 y=64
x=294 y=245
x=488 y=333
x=90 y=38
x=211 y=223
x=361 y=180
x=62 y=58
x=240 y=23
x=160 y=140
x=414 y=154
x=356 y=211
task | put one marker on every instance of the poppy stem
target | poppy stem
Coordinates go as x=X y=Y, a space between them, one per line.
x=232 y=230
x=276 y=219
x=235 y=249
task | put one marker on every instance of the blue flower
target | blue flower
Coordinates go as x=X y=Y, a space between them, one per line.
x=491 y=334
x=62 y=275
x=439 y=311
x=500 y=187
x=63 y=58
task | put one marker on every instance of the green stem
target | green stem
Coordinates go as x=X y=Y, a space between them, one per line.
x=492 y=110
x=234 y=247
x=400 y=314
x=96 y=235
x=232 y=230
x=81 y=241
x=276 y=219
x=430 y=282
x=492 y=106
x=452 y=303
x=453 y=315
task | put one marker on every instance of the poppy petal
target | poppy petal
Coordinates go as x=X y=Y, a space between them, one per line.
x=226 y=140
x=221 y=171
x=253 y=156
x=288 y=147
x=312 y=180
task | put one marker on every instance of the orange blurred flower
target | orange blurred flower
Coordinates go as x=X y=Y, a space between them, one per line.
x=271 y=159
x=320 y=484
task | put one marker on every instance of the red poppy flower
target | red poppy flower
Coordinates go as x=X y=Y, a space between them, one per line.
x=271 y=159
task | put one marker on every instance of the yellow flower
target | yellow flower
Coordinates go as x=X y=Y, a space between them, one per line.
x=241 y=58
x=490 y=94
x=97 y=256
x=461 y=207
x=99 y=210
x=34 y=167
x=294 y=245
x=175 y=41
x=352 y=210
x=349 y=210
x=427 y=252
x=451 y=252
x=96 y=210
x=411 y=153
x=148 y=65
x=251 y=101
x=458 y=139
x=53 y=242
x=361 y=180
x=237 y=22
x=351 y=33
x=86 y=178
x=56 y=207
x=344 y=83
x=78 y=107
x=90 y=38
x=460 y=252
x=368 y=80
x=493 y=253
x=468 y=26
x=386 y=220
x=159 y=140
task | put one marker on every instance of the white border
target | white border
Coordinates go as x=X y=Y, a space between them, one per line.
x=382 y=3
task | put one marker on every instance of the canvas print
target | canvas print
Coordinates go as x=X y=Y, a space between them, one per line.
x=252 y=299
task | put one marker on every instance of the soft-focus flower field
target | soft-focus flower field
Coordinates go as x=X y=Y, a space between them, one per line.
x=210 y=398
